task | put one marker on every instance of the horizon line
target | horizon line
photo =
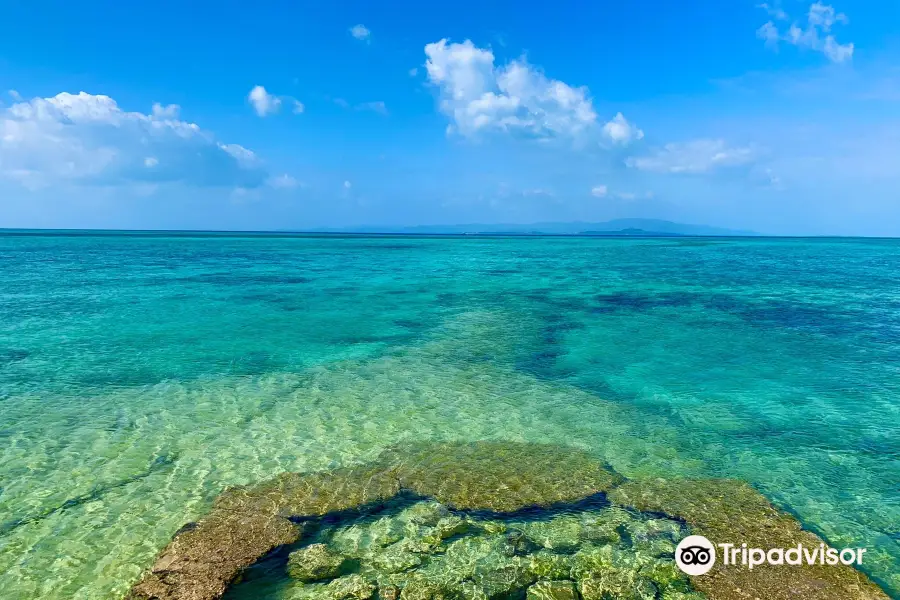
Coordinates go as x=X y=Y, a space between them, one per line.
x=313 y=232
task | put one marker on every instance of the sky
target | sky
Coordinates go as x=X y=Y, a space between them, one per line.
x=782 y=118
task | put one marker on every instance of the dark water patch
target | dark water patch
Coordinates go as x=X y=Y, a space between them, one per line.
x=160 y=463
x=386 y=247
x=12 y=355
x=502 y=271
x=413 y=324
x=234 y=279
x=542 y=513
x=641 y=301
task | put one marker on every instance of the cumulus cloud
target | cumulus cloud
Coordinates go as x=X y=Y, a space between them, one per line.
x=775 y=11
x=694 y=157
x=599 y=191
x=361 y=32
x=263 y=102
x=282 y=182
x=815 y=34
x=515 y=98
x=620 y=131
x=85 y=138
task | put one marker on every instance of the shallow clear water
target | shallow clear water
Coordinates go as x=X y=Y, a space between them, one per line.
x=139 y=375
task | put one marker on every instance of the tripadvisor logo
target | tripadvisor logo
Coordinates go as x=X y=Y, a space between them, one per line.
x=696 y=555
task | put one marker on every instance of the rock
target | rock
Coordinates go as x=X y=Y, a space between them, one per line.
x=315 y=563
x=396 y=559
x=470 y=591
x=562 y=534
x=386 y=531
x=518 y=544
x=419 y=588
x=673 y=595
x=499 y=476
x=388 y=592
x=201 y=561
x=620 y=588
x=425 y=513
x=730 y=511
x=492 y=527
x=505 y=580
x=450 y=526
x=667 y=576
x=350 y=587
x=591 y=561
x=553 y=590
x=547 y=565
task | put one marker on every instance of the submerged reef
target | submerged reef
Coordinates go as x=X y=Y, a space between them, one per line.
x=484 y=521
x=730 y=511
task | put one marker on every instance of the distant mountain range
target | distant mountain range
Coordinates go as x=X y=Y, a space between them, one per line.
x=616 y=227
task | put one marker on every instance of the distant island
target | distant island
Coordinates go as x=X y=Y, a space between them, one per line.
x=614 y=228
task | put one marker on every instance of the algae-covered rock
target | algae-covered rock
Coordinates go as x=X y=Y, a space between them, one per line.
x=396 y=559
x=553 y=590
x=419 y=588
x=425 y=513
x=314 y=494
x=562 y=534
x=729 y=511
x=504 y=580
x=200 y=562
x=350 y=587
x=516 y=543
x=388 y=592
x=450 y=526
x=315 y=563
x=469 y=590
x=666 y=575
x=547 y=565
x=499 y=476
x=616 y=585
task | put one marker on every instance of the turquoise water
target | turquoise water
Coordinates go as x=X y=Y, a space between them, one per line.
x=139 y=375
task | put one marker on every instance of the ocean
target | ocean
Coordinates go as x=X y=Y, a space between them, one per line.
x=141 y=374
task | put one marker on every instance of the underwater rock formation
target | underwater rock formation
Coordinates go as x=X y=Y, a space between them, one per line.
x=447 y=521
x=731 y=511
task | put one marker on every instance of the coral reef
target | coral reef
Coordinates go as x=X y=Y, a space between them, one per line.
x=485 y=521
x=730 y=511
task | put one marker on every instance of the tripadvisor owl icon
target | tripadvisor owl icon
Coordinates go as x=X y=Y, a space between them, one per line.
x=695 y=555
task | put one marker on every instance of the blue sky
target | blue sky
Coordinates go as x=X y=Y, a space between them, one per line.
x=782 y=117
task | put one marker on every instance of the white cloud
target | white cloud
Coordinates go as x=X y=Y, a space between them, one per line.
x=515 y=98
x=85 y=138
x=816 y=35
x=361 y=32
x=16 y=96
x=774 y=11
x=694 y=157
x=263 y=102
x=347 y=185
x=165 y=112
x=620 y=131
x=298 y=107
x=282 y=182
x=599 y=191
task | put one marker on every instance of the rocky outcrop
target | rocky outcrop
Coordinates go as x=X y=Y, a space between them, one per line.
x=730 y=511
x=468 y=536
